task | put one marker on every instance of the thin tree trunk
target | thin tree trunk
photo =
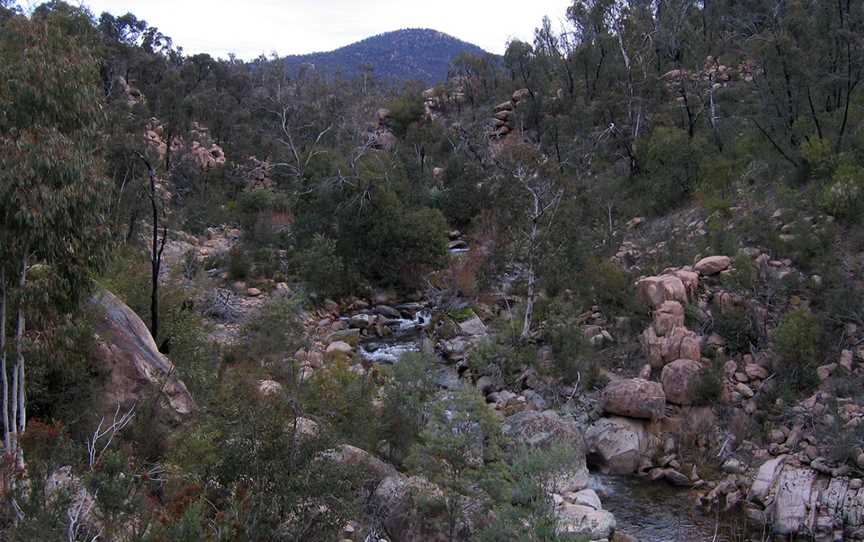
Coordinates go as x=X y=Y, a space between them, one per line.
x=156 y=252
x=19 y=349
x=532 y=276
x=7 y=439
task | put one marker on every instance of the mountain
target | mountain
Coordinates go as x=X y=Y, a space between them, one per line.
x=408 y=54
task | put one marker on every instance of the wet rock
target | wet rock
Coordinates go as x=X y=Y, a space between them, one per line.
x=350 y=336
x=361 y=321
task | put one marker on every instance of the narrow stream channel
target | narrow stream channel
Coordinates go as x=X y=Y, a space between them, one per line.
x=649 y=511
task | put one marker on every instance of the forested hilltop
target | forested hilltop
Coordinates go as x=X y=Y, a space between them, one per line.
x=608 y=287
x=413 y=54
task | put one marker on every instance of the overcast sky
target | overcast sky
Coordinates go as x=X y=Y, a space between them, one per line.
x=251 y=27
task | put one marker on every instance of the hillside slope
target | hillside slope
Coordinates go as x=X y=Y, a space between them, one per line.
x=409 y=54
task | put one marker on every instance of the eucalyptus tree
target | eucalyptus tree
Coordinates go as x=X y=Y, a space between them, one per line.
x=52 y=191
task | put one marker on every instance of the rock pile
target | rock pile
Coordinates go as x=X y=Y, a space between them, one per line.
x=503 y=121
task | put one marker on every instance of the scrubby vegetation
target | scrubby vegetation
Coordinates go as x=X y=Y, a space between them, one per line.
x=524 y=235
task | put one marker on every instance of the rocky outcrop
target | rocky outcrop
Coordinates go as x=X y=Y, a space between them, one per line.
x=796 y=499
x=634 y=398
x=654 y=291
x=504 y=115
x=136 y=369
x=680 y=343
x=619 y=445
x=396 y=502
x=381 y=136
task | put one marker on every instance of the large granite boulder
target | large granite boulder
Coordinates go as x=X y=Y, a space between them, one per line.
x=654 y=291
x=634 y=398
x=585 y=521
x=680 y=379
x=713 y=265
x=545 y=429
x=136 y=369
x=619 y=445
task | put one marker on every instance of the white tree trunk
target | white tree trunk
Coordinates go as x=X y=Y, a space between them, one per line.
x=7 y=439
x=19 y=351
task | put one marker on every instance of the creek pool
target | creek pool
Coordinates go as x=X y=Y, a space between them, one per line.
x=656 y=512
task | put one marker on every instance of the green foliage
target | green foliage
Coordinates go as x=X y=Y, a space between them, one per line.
x=274 y=331
x=392 y=245
x=321 y=267
x=256 y=209
x=264 y=480
x=797 y=343
x=709 y=385
x=460 y=437
x=669 y=163
x=404 y=112
x=843 y=197
x=609 y=286
x=819 y=156
x=573 y=360
x=405 y=395
x=527 y=510
x=737 y=326
x=64 y=378
x=51 y=185
x=343 y=399
x=126 y=272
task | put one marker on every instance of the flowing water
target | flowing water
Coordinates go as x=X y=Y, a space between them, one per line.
x=407 y=336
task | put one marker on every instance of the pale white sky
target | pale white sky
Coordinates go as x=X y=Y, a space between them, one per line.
x=251 y=27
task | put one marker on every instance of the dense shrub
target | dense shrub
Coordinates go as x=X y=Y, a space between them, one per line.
x=797 y=343
x=273 y=332
x=737 y=326
x=320 y=267
x=669 y=169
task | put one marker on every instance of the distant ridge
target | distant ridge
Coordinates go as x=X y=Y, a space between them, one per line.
x=408 y=54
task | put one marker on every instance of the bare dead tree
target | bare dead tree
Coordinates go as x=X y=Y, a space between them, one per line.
x=157 y=247
x=102 y=437
x=300 y=157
